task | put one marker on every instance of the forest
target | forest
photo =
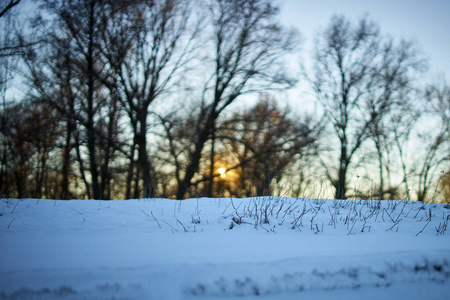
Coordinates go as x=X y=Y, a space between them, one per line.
x=130 y=99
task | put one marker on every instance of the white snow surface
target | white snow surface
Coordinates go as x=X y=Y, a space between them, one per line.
x=252 y=248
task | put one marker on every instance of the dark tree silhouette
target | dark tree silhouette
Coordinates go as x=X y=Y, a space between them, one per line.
x=147 y=47
x=437 y=151
x=65 y=70
x=261 y=143
x=248 y=48
x=358 y=77
x=7 y=6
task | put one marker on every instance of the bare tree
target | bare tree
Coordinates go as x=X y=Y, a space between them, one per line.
x=357 y=78
x=253 y=150
x=437 y=151
x=7 y=6
x=261 y=143
x=393 y=100
x=65 y=70
x=249 y=46
x=31 y=134
x=147 y=48
x=10 y=47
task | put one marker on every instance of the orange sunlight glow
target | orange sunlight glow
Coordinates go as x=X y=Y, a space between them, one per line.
x=222 y=172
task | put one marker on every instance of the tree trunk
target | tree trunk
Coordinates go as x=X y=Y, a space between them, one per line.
x=145 y=166
x=4 y=176
x=19 y=184
x=341 y=185
x=194 y=164
x=90 y=126
x=80 y=162
x=64 y=194
x=211 y=167
x=192 y=168
x=380 y=166
x=96 y=193
x=130 y=174
x=190 y=171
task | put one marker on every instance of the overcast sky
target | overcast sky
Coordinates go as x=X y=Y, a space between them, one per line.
x=427 y=22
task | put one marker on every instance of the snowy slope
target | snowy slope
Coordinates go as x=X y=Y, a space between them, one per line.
x=257 y=248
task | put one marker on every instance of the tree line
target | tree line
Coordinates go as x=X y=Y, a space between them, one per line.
x=141 y=98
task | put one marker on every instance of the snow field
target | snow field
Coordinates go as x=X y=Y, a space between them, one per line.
x=255 y=248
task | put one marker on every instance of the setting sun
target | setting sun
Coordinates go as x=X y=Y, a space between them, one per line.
x=222 y=171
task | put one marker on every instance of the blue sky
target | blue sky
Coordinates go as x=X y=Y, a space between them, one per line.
x=427 y=22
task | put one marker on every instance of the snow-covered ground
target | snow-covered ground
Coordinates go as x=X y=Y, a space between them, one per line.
x=256 y=248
